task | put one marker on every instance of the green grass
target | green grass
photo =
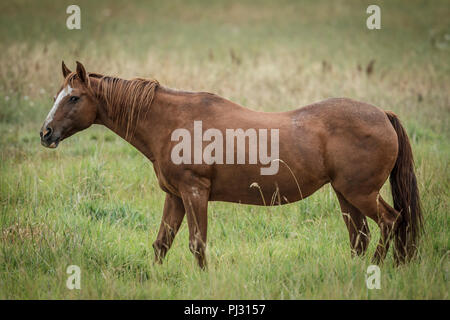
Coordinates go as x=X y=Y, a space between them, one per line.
x=95 y=202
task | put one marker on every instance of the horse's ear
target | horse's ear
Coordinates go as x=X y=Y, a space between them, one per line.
x=65 y=70
x=81 y=72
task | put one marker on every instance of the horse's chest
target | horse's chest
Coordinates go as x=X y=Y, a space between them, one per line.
x=164 y=179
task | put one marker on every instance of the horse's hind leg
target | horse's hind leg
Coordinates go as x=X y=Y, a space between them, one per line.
x=357 y=226
x=170 y=223
x=391 y=219
x=374 y=207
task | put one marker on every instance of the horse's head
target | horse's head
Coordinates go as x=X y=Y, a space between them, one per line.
x=74 y=108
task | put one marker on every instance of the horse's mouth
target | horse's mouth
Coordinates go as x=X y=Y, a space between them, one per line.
x=51 y=145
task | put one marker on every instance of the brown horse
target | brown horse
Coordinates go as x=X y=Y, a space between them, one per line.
x=352 y=145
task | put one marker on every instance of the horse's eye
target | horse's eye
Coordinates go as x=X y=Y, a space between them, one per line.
x=74 y=99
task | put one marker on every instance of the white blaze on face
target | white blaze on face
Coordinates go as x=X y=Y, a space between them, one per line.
x=65 y=92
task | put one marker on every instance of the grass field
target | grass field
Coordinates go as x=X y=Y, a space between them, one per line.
x=95 y=202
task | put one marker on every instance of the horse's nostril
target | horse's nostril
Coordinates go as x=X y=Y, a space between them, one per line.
x=47 y=132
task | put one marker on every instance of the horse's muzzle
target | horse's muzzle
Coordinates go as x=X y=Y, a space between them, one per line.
x=48 y=139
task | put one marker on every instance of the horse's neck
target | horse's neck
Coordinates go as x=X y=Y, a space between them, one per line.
x=138 y=138
x=147 y=135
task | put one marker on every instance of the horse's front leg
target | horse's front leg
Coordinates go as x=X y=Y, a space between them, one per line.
x=170 y=223
x=195 y=195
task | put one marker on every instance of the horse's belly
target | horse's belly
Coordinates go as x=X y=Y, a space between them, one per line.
x=250 y=187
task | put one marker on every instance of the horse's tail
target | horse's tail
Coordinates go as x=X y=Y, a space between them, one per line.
x=405 y=195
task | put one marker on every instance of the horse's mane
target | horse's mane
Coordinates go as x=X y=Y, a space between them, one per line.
x=124 y=99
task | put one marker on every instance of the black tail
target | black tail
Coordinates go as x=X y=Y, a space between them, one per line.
x=406 y=196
